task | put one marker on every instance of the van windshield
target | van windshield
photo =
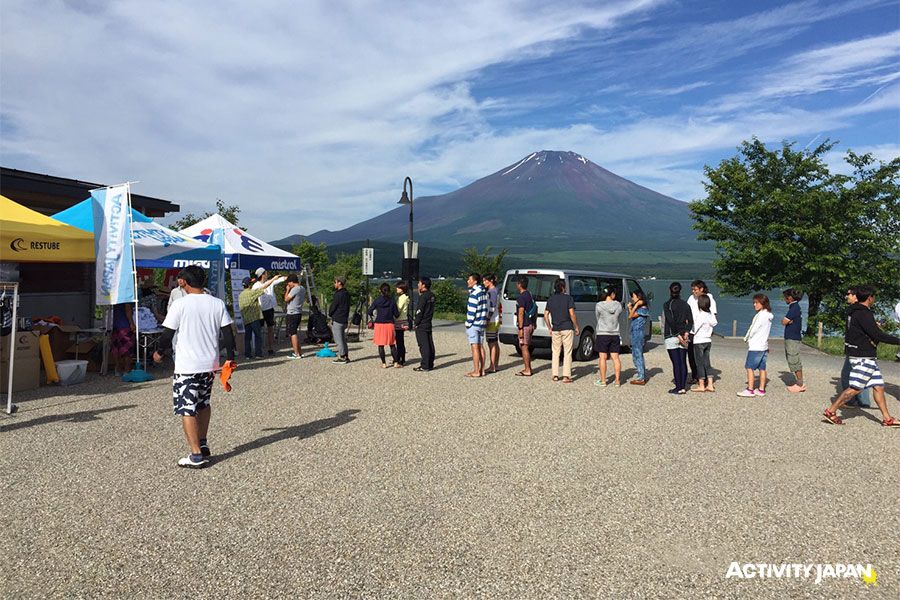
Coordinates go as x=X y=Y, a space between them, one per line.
x=540 y=286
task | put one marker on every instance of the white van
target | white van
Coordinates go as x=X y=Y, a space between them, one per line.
x=584 y=287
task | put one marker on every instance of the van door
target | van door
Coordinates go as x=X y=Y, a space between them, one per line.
x=584 y=290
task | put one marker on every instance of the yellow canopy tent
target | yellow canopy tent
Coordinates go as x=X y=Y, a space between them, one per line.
x=29 y=236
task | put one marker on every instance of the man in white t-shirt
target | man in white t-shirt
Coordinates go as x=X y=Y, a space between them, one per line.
x=199 y=318
x=267 y=304
x=698 y=288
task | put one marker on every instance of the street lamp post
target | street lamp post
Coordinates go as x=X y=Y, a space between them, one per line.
x=410 y=258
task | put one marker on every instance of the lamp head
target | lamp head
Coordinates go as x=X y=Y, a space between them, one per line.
x=404 y=199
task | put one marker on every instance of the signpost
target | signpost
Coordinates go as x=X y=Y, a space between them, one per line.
x=368 y=261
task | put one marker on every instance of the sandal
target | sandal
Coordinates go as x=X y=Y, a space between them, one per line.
x=523 y=374
x=833 y=418
x=892 y=422
x=555 y=378
x=567 y=380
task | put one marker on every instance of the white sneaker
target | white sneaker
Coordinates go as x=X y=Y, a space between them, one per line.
x=748 y=393
x=191 y=462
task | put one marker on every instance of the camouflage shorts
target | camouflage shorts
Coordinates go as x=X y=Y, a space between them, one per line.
x=191 y=392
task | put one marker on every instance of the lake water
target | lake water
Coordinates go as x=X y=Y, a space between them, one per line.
x=729 y=308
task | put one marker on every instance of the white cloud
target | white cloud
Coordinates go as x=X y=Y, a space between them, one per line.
x=309 y=115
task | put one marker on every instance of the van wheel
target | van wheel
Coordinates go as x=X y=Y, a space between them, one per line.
x=585 y=349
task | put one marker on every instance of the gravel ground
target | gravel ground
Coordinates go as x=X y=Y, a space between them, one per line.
x=351 y=481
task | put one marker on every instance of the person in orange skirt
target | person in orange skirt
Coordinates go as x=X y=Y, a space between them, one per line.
x=385 y=310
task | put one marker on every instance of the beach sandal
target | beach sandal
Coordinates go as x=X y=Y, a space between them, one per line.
x=832 y=417
x=567 y=380
x=555 y=378
x=523 y=374
x=892 y=422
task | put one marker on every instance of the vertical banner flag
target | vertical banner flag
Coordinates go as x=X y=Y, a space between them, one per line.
x=237 y=286
x=217 y=266
x=112 y=243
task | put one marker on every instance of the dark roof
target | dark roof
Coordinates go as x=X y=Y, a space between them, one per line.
x=50 y=194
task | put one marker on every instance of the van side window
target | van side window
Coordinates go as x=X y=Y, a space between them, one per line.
x=633 y=286
x=613 y=285
x=583 y=288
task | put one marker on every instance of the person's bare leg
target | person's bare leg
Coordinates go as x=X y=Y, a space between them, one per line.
x=475 y=369
x=295 y=344
x=203 y=421
x=798 y=377
x=751 y=380
x=881 y=401
x=603 y=358
x=843 y=398
x=481 y=358
x=526 y=357
x=191 y=428
x=617 y=366
x=762 y=379
x=495 y=356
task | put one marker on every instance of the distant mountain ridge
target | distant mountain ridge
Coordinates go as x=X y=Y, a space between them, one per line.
x=547 y=201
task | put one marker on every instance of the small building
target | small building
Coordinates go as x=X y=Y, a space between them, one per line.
x=63 y=290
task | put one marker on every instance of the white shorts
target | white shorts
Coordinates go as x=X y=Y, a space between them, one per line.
x=864 y=373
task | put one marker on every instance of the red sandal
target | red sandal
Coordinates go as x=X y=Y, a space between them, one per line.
x=831 y=417
x=892 y=422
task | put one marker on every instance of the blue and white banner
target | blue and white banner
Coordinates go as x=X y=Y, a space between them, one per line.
x=112 y=243
x=237 y=278
x=217 y=267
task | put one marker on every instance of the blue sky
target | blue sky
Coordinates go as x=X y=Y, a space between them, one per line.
x=308 y=115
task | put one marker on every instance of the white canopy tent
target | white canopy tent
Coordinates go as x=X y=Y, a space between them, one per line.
x=242 y=250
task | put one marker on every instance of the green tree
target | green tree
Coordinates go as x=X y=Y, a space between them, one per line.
x=312 y=255
x=229 y=213
x=780 y=218
x=482 y=262
x=448 y=297
x=348 y=266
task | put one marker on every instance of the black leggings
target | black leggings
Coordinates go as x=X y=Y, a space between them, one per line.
x=679 y=366
x=382 y=356
x=401 y=346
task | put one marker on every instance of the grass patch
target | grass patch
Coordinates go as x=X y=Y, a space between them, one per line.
x=835 y=346
x=450 y=316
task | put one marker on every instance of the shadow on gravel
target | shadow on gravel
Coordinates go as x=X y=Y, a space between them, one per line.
x=453 y=363
x=76 y=417
x=299 y=432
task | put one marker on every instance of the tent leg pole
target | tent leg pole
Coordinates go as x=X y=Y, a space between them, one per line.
x=12 y=349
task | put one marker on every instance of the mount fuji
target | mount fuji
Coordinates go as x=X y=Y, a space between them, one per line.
x=548 y=201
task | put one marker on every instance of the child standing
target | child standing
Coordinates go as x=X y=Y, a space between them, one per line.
x=793 y=337
x=704 y=322
x=757 y=339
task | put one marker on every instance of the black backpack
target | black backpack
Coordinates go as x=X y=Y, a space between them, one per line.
x=317 y=329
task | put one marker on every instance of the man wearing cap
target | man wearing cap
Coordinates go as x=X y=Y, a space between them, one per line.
x=248 y=303
x=267 y=305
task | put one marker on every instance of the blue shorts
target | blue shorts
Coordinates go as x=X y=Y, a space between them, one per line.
x=475 y=335
x=756 y=359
